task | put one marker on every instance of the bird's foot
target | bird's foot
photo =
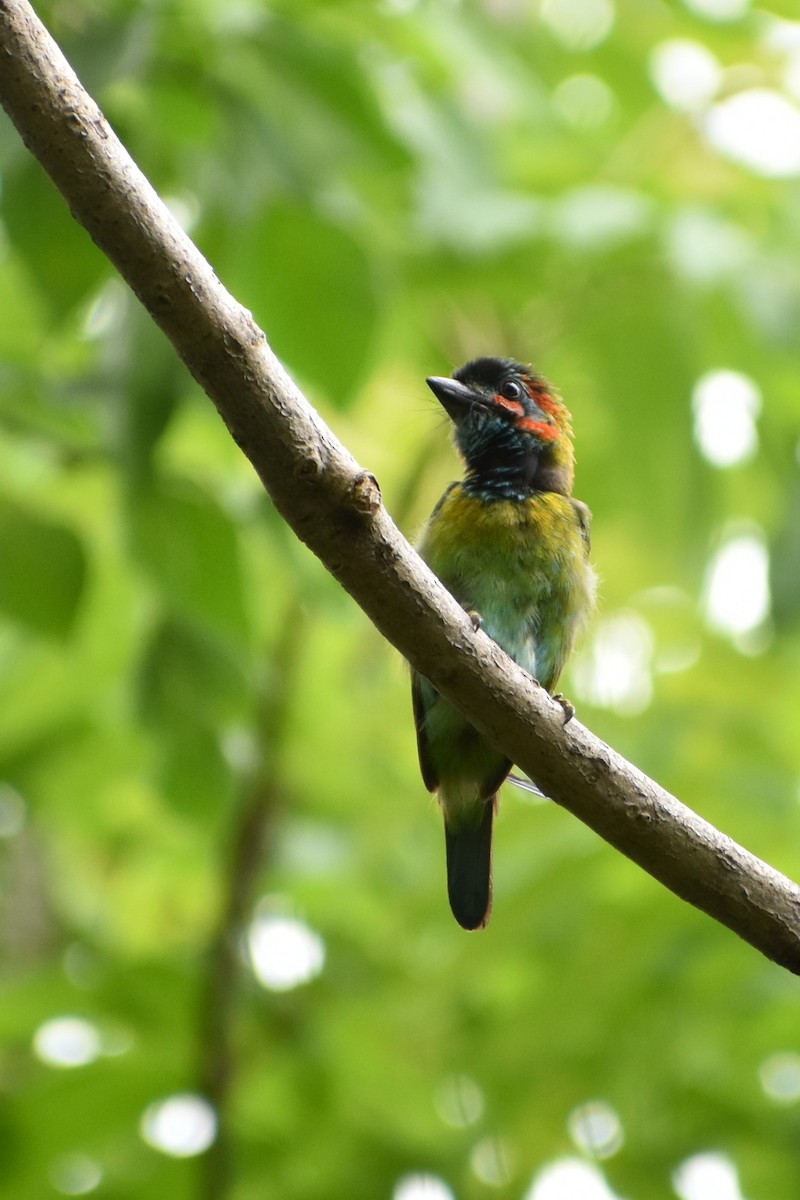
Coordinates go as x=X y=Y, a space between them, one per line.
x=567 y=705
x=475 y=618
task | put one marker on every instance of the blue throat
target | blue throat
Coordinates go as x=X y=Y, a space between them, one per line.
x=495 y=487
x=502 y=472
x=499 y=465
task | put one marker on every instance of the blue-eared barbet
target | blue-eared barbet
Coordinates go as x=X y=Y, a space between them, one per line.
x=512 y=545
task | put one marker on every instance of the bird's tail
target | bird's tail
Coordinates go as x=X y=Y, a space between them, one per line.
x=469 y=868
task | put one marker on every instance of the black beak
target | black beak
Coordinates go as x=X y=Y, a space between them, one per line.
x=453 y=396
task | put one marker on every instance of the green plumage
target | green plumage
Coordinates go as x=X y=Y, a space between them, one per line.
x=512 y=545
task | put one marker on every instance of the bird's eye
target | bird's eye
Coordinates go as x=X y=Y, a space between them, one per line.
x=511 y=389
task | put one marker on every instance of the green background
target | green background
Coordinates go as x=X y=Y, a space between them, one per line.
x=195 y=720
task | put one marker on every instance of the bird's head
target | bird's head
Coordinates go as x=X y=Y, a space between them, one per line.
x=511 y=428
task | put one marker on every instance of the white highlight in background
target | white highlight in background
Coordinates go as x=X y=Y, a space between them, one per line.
x=599 y=216
x=76 y=1175
x=737 y=587
x=616 y=671
x=758 y=128
x=703 y=248
x=67 y=1042
x=726 y=405
x=596 y=1129
x=182 y=1125
x=686 y=75
x=459 y=1101
x=707 y=1176
x=421 y=1187
x=584 y=101
x=578 y=24
x=491 y=1161
x=718 y=10
x=780 y=1077
x=569 y=1179
x=283 y=951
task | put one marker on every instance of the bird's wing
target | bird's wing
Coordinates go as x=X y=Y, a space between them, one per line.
x=442 y=499
x=429 y=775
x=584 y=515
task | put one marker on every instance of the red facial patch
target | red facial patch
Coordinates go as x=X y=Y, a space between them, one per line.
x=539 y=395
x=547 y=403
x=514 y=406
x=547 y=433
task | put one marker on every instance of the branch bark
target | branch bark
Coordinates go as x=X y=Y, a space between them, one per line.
x=335 y=507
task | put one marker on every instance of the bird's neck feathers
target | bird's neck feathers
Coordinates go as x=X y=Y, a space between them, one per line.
x=519 y=460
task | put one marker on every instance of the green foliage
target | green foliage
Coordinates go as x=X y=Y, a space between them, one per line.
x=292 y=254
x=198 y=731
x=44 y=569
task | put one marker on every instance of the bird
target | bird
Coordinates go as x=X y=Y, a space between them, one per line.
x=512 y=545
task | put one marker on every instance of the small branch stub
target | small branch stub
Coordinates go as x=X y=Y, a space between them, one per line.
x=366 y=494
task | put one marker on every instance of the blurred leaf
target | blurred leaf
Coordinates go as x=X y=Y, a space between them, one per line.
x=311 y=285
x=329 y=92
x=58 y=252
x=188 y=546
x=150 y=383
x=20 y=300
x=185 y=672
x=194 y=776
x=42 y=571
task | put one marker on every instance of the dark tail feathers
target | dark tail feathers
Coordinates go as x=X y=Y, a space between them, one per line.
x=469 y=869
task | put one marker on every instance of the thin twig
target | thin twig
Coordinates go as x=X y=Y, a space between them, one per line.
x=251 y=846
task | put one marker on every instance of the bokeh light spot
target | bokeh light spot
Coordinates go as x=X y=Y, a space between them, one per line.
x=780 y=36
x=106 y=311
x=596 y=1129
x=737 y=586
x=704 y=248
x=578 y=24
x=491 y=1161
x=616 y=670
x=708 y=1176
x=758 y=128
x=726 y=405
x=185 y=208
x=459 y=1101
x=569 y=1179
x=780 y=1077
x=76 y=1175
x=67 y=1042
x=685 y=73
x=421 y=1187
x=718 y=10
x=182 y=1125
x=601 y=216
x=583 y=101
x=284 y=952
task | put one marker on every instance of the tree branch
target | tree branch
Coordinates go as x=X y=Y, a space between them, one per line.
x=335 y=507
x=252 y=845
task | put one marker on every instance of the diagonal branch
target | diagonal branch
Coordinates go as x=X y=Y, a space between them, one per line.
x=335 y=507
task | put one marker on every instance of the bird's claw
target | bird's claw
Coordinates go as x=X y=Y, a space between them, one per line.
x=567 y=705
x=475 y=618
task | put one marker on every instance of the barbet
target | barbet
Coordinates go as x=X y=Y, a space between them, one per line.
x=512 y=545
